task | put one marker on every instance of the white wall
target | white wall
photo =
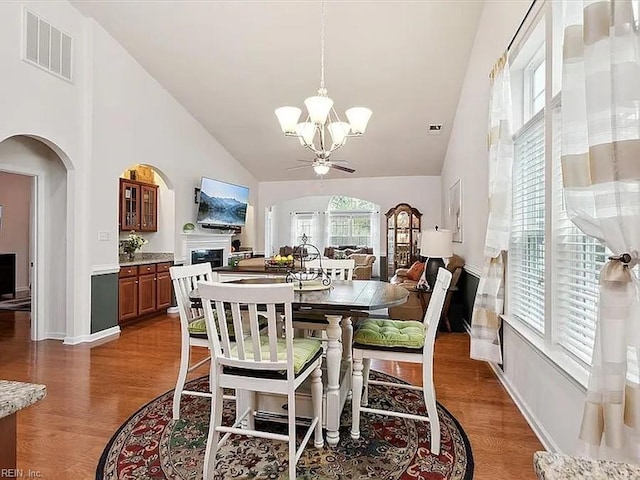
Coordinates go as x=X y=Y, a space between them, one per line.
x=421 y=192
x=15 y=198
x=552 y=402
x=466 y=156
x=111 y=116
x=136 y=121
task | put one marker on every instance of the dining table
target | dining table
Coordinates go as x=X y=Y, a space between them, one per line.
x=332 y=309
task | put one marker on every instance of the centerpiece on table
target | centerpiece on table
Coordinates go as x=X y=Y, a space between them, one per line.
x=132 y=244
x=282 y=262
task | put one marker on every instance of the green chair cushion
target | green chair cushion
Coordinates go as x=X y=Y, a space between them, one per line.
x=390 y=333
x=304 y=349
x=198 y=328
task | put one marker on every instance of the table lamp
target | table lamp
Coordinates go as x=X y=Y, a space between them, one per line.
x=437 y=245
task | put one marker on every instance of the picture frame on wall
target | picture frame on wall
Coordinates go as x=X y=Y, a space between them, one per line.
x=455 y=211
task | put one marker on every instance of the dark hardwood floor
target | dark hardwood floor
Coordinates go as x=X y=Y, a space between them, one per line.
x=92 y=390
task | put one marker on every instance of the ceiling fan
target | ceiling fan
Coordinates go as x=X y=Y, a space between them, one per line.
x=322 y=166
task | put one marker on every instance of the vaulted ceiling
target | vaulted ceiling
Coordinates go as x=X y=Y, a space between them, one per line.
x=231 y=63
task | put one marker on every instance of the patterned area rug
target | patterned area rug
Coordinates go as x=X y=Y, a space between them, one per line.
x=22 y=304
x=150 y=445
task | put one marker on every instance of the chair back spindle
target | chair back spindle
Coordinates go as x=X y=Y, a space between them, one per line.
x=336 y=269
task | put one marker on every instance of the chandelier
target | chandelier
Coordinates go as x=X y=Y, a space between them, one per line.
x=322 y=117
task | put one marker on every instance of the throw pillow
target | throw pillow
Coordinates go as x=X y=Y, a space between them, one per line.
x=339 y=254
x=415 y=272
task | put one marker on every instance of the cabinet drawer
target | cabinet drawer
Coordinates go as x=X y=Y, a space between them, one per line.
x=144 y=269
x=163 y=267
x=128 y=271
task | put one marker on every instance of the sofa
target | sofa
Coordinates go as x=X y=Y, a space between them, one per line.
x=344 y=251
x=415 y=306
x=364 y=265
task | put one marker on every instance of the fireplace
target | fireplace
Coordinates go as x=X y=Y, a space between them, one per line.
x=212 y=248
x=213 y=256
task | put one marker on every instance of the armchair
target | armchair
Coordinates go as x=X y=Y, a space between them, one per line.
x=364 y=265
x=417 y=302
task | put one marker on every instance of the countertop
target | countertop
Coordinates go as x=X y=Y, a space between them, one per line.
x=145 y=258
x=555 y=466
x=15 y=396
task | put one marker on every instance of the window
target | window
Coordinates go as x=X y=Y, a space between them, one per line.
x=304 y=223
x=578 y=260
x=350 y=221
x=553 y=268
x=526 y=250
x=537 y=76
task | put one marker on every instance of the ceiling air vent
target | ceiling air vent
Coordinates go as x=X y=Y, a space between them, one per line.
x=435 y=129
x=46 y=46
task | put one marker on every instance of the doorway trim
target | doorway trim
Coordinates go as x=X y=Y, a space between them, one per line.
x=36 y=247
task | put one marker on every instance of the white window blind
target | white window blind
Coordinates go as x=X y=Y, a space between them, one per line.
x=526 y=250
x=577 y=263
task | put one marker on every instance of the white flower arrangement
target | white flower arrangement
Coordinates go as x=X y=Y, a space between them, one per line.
x=132 y=243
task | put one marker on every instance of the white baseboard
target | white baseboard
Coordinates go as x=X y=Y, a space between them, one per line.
x=532 y=420
x=94 y=337
x=53 y=336
x=547 y=442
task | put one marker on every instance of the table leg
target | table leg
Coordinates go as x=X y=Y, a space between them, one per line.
x=347 y=337
x=333 y=358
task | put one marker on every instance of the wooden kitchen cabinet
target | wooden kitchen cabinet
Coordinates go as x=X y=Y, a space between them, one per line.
x=164 y=286
x=138 y=206
x=127 y=294
x=144 y=290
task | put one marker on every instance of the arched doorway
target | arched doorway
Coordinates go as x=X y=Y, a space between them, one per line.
x=47 y=260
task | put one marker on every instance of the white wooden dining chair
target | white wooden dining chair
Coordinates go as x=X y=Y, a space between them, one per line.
x=192 y=325
x=336 y=269
x=401 y=341
x=271 y=363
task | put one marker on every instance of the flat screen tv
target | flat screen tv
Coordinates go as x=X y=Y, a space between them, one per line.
x=222 y=204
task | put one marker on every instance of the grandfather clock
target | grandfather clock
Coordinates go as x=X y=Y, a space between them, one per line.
x=403 y=237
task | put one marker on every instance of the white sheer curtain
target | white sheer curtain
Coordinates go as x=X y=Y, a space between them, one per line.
x=375 y=241
x=601 y=176
x=489 y=302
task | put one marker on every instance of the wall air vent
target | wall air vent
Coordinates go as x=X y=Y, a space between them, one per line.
x=435 y=129
x=46 y=46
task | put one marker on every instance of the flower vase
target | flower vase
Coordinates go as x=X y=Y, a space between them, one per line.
x=132 y=256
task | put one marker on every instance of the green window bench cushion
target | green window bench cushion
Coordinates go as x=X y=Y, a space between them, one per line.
x=390 y=333
x=304 y=349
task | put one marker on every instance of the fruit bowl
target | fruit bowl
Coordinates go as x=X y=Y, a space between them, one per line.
x=282 y=262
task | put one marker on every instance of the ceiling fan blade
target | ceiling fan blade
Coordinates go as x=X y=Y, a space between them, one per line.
x=344 y=169
x=340 y=162
x=298 y=167
x=306 y=161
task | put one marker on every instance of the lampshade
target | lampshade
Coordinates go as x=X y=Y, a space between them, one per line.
x=339 y=132
x=318 y=108
x=288 y=118
x=321 y=169
x=436 y=243
x=306 y=132
x=358 y=118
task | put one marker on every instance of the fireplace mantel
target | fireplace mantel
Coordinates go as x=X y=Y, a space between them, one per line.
x=201 y=241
